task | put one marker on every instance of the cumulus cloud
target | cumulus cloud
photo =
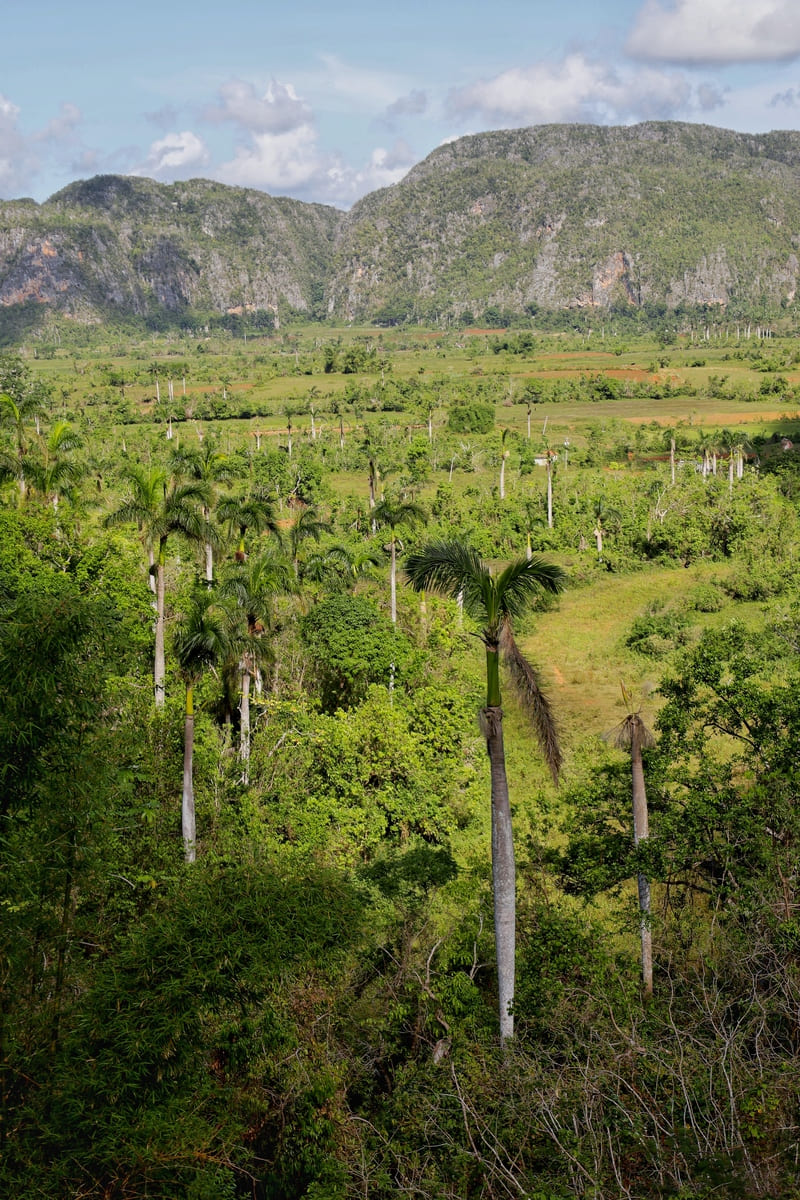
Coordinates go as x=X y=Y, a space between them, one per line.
x=717 y=31
x=176 y=155
x=579 y=89
x=341 y=184
x=274 y=161
x=62 y=128
x=21 y=153
x=276 y=112
x=280 y=151
x=294 y=163
x=18 y=163
x=710 y=96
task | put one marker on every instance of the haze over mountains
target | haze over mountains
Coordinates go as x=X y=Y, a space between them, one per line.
x=559 y=216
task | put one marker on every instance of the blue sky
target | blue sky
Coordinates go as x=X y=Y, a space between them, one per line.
x=307 y=100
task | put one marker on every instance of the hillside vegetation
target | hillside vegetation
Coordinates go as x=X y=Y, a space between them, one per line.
x=247 y=945
x=648 y=218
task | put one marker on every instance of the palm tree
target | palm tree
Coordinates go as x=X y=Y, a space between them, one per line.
x=336 y=408
x=532 y=518
x=161 y=506
x=503 y=457
x=605 y=518
x=735 y=440
x=306 y=525
x=211 y=466
x=18 y=412
x=393 y=514
x=455 y=569
x=253 y=511
x=54 y=474
x=549 y=456
x=373 y=480
x=632 y=734
x=339 y=566
x=201 y=640
x=253 y=586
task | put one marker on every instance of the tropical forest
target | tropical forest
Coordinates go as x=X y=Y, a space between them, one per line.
x=398 y=747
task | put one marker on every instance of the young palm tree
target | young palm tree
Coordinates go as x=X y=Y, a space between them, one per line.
x=55 y=474
x=632 y=734
x=456 y=569
x=201 y=640
x=341 y=566
x=393 y=514
x=210 y=466
x=254 y=512
x=307 y=525
x=161 y=506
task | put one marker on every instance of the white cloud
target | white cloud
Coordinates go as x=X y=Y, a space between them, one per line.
x=18 y=163
x=275 y=161
x=281 y=153
x=293 y=163
x=277 y=111
x=717 y=31
x=579 y=89
x=61 y=128
x=21 y=153
x=175 y=155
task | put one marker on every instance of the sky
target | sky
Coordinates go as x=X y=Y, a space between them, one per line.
x=325 y=103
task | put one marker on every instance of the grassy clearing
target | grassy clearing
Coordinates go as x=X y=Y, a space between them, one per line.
x=579 y=646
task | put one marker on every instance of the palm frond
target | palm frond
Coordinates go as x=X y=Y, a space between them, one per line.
x=391 y=513
x=202 y=637
x=622 y=735
x=537 y=706
x=522 y=579
x=453 y=569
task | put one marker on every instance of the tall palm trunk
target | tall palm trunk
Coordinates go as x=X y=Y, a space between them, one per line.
x=188 y=823
x=640 y=833
x=244 y=720
x=159 y=670
x=209 y=550
x=549 y=492
x=503 y=863
x=393 y=581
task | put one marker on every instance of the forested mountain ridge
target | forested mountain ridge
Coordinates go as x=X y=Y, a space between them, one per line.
x=579 y=216
x=659 y=214
x=132 y=247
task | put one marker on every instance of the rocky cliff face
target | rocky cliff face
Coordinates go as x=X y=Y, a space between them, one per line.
x=579 y=216
x=552 y=216
x=123 y=246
